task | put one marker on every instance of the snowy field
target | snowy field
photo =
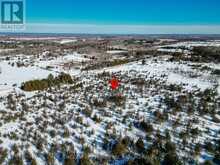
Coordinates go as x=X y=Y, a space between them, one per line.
x=178 y=47
x=163 y=109
x=12 y=77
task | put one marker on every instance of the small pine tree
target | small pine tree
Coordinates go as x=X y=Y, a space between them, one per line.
x=85 y=160
x=170 y=147
x=171 y=159
x=30 y=160
x=118 y=149
x=197 y=149
x=208 y=162
x=15 y=160
x=50 y=159
x=140 y=145
x=3 y=155
x=70 y=159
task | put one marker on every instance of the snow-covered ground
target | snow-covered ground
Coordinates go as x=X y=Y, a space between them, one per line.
x=66 y=41
x=11 y=77
x=116 y=51
x=178 y=47
x=176 y=73
x=6 y=50
x=196 y=43
x=155 y=96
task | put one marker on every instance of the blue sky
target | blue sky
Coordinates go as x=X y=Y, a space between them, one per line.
x=129 y=12
x=123 y=16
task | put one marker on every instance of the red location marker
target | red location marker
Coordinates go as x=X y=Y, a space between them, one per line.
x=114 y=83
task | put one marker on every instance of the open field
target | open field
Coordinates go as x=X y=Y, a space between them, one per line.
x=165 y=111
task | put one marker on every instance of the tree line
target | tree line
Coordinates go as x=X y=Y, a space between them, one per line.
x=50 y=81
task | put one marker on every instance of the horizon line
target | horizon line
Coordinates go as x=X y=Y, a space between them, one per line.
x=115 y=29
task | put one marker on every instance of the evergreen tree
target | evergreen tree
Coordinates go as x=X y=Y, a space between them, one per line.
x=70 y=159
x=171 y=159
x=140 y=145
x=118 y=149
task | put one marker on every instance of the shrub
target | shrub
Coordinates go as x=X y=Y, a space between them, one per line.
x=69 y=161
x=140 y=161
x=171 y=159
x=66 y=133
x=140 y=145
x=96 y=119
x=216 y=72
x=208 y=162
x=15 y=160
x=194 y=132
x=99 y=103
x=146 y=127
x=87 y=112
x=118 y=149
x=160 y=116
x=126 y=141
x=84 y=160
x=197 y=149
x=39 y=145
x=170 y=147
x=118 y=100
x=52 y=133
x=29 y=158
x=209 y=147
x=3 y=155
x=49 y=158
x=216 y=159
